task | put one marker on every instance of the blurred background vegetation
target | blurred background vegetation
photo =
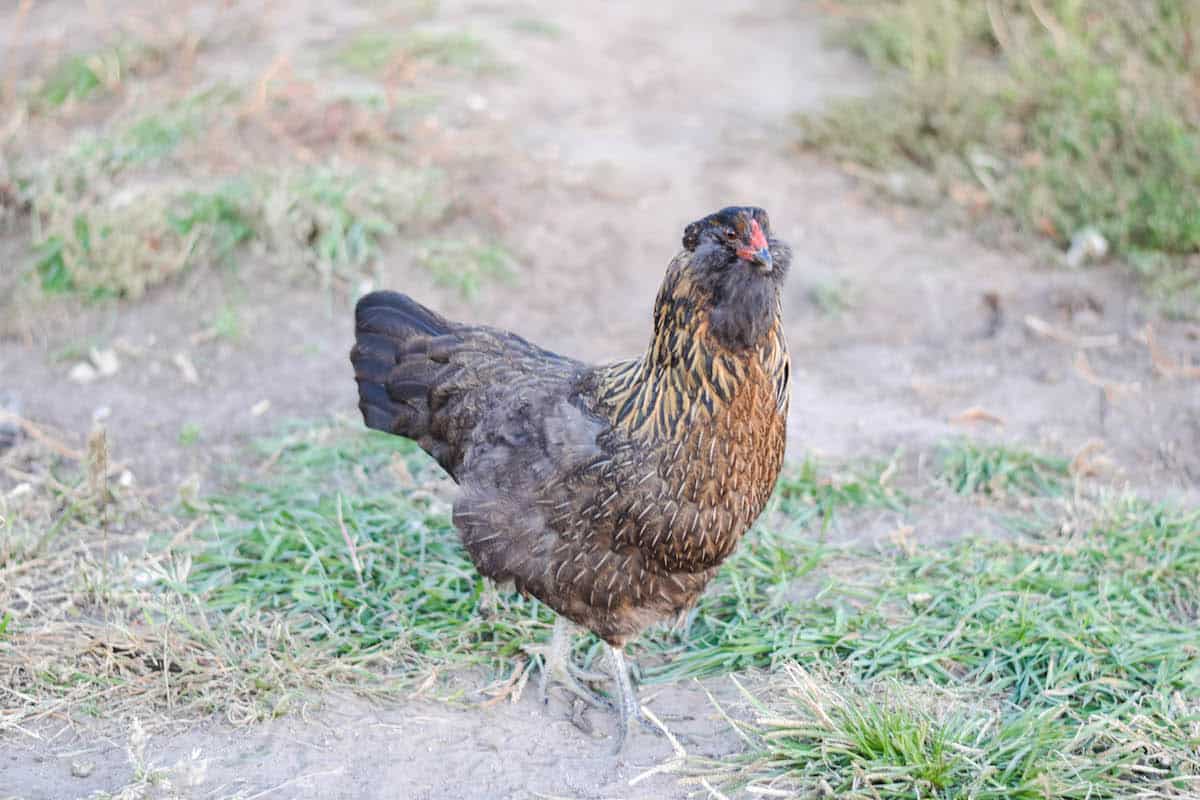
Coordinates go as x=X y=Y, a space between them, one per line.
x=1065 y=116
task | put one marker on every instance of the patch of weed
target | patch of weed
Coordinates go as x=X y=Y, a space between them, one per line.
x=75 y=78
x=227 y=323
x=90 y=238
x=122 y=245
x=1066 y=663
x=1092 y=620
x=536 y=26
x=1059 y=118
x=972 y=468
x=189 y=434
x=78 y=77
x=372 y=51
x=828 y=736
x=369 y=51
x=833 y=298
x=807 y=492
x=113 y=249
x=217 y=221
x=336 y=220
x=463 y=265
x=354 y=565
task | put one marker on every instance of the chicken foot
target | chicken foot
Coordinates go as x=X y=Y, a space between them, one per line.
x=558 y=667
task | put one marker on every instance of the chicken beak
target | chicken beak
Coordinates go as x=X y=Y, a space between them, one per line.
x=762 y=259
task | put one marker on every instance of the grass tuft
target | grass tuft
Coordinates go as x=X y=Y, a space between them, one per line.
x=336 y=220
x=372 y=52
x=465 y=266
x=828 y=736
x=355 y=565
x=806 y=491
x=1066 y=665
x=1058 y=117
x=99 y=240
x=1063 y=664
x=972 y=468
x=79 y=77
x=537 y=26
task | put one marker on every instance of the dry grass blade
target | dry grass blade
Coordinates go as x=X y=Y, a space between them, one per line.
x=350 y=546
x=1112 y=389
x=37 y=432
x=1045 y=329
x=1164 y=364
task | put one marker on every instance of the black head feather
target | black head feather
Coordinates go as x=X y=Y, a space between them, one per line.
x=742 y=292
x=728 y=218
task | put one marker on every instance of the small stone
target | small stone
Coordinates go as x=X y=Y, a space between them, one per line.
x=81 y=769
x=20 y=490
x=260 y=408
x=83 y=372
x=106 y=362
x=1088 y=244
x=186 y=367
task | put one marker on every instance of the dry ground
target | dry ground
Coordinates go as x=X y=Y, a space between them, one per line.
x=613 y=125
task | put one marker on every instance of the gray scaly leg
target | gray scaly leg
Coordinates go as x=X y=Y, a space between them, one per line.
x=629 y=709
x=558 y=667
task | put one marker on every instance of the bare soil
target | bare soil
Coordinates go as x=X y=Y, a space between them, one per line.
x=587 y=158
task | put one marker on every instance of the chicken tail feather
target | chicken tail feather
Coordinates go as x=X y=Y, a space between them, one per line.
x=393 y=365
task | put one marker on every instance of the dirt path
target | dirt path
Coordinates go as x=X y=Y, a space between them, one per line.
x=633 y=120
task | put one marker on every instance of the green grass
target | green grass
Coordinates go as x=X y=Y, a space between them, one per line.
x=536 y=26
x=372 y=51
x=78 y=77
x=972 y=468
x=143 y=192
x=105 y=246
x=278 y=547
x=832 y=298
x=1064 y=657
x=1063 y=666
x=829 y=737
x=228 y=324
x=149 y=138
x=73 y=78
x=808 y=492
x=1061 y=116
x=189 y=434
x=92 y=239
x=220 y=220
x=369 y=52
x=465 y=266
x=336 y=220
x=1065 y=663
x=396 y=579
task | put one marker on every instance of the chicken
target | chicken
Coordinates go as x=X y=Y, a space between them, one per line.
x=610 y=493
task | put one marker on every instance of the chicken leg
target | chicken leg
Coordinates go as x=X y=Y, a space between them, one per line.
x=558 y=667
x=628 y=707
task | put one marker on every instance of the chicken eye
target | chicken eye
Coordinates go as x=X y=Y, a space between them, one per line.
x=731 y=235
